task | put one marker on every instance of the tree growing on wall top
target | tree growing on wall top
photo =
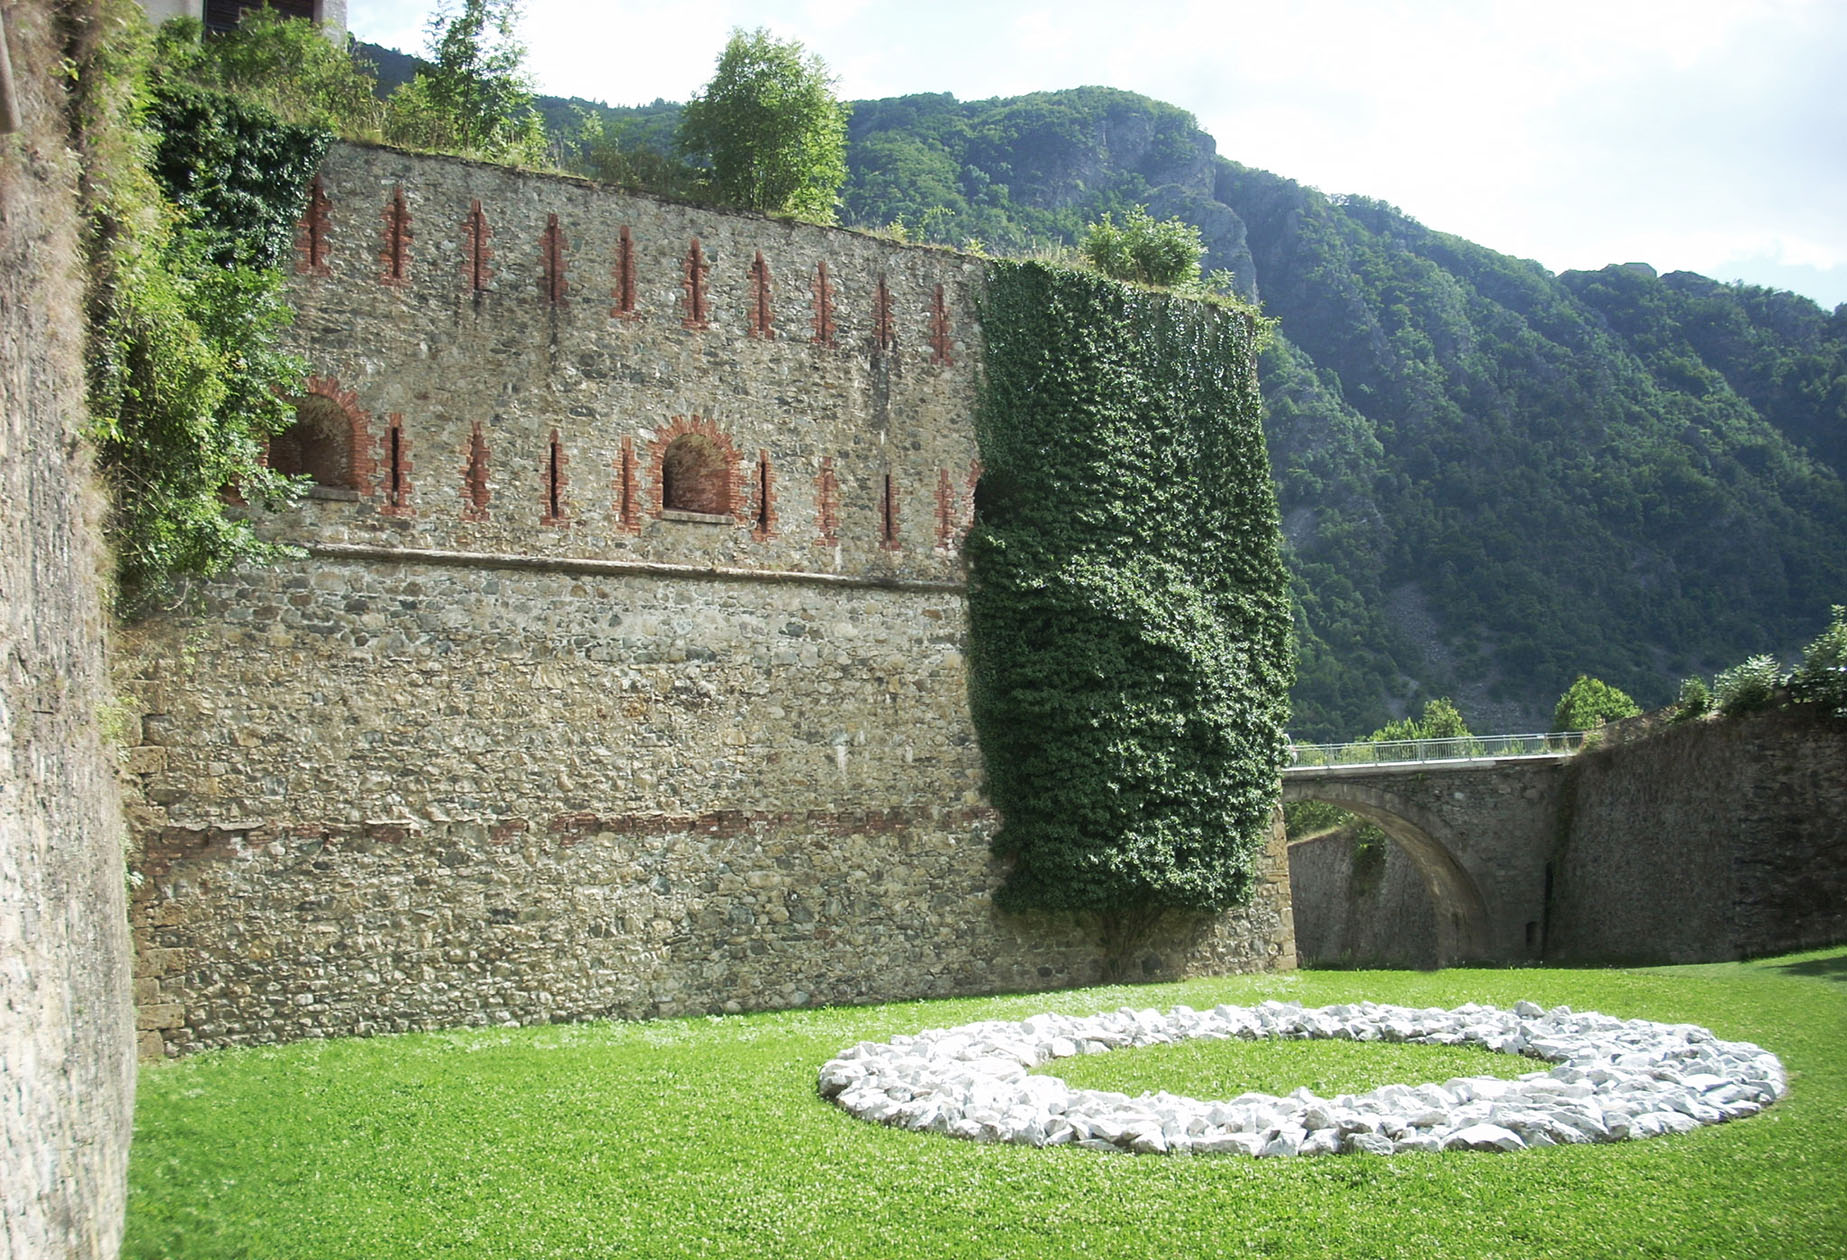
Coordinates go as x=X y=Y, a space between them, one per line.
x=1145 y=250
x=771 y=127
x=1441 y=719
x=475 y=97
x=282 y=63
x=1822 y=676
x=1588 y=703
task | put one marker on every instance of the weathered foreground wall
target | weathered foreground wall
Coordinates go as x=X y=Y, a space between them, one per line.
x=521 y=739
x=66 y=1032
x=1705 y=841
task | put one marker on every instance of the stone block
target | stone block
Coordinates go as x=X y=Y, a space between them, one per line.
x=160 y=1015
x=146 y=759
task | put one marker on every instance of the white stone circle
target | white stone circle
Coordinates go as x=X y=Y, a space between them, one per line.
x=1614 y=1079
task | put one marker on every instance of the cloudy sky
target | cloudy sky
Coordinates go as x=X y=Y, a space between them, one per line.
x=1690 y=134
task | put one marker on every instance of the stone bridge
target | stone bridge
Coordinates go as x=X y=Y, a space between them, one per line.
x=1481 y=832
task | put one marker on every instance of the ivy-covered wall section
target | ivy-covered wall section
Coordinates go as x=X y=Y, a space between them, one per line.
x=190 y=200
x=236 y=171
x=1128 y=605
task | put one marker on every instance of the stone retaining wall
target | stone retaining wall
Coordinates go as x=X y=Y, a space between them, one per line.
x=1711 y=840
x=562 y=798
x=1374 y=913
x=1701 y=842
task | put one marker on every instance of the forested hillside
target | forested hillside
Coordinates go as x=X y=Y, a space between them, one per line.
x=1492 y=478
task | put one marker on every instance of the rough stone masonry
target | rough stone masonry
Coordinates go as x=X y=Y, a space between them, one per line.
x=67 y=1066
x=622 y=673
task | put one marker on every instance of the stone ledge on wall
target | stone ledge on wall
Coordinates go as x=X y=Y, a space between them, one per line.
x=594 y=567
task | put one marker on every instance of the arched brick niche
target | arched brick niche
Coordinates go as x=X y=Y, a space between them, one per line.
x=695 y=468
x=329 y=441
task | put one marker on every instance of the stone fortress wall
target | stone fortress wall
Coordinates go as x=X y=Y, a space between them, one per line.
x=1706 y=841
x=1376 y=910
x=622 y=673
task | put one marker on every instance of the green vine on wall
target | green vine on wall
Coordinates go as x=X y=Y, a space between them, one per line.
x=1129 y=610
x=236 y=171
x=187 y=197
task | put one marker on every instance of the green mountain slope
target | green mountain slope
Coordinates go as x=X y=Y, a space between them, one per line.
x=1492 y=478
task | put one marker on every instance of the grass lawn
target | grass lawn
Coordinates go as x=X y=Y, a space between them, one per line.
x=706 y=1138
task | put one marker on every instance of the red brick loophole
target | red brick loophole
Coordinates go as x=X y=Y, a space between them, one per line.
x=477 y=254
x=827 y=504
x=762 y=307
x=698 y=303
x=823 y=306
x=552 y=477
x=884 y=328
x=941 y=340
x=946 y=514
x=313 y=242
x=888 y=513
x=628 y=490
x=552 y=261
x=763 y=522
x=622 y=294
x=394 y=468
x=394 y=257
x=475 y=491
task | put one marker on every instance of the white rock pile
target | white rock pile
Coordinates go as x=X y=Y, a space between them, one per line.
x=1613 y=1079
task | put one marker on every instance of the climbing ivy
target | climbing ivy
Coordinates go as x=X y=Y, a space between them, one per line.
x=1129 y=610
x=187 y=197
x=237 y=172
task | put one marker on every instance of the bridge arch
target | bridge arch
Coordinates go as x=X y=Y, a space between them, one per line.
x=1464 y=930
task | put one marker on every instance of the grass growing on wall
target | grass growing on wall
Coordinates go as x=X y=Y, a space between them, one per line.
x=1128 y=606
x=706 y=1137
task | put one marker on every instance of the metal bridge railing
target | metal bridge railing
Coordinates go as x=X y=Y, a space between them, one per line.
x=1413 y=751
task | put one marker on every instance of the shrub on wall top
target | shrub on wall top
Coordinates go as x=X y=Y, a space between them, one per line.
x=1822 y=676
x=1590 y=702
x=1747 y=686
x=188 y=200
